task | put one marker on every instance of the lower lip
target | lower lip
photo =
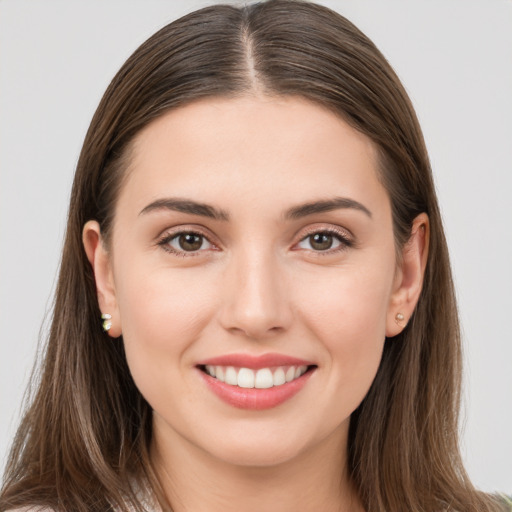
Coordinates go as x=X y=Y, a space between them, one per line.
x=254 y=398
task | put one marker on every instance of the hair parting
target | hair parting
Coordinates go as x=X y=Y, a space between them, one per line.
x=84 y=439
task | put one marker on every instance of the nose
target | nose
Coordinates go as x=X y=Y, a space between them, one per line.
x=256 y=296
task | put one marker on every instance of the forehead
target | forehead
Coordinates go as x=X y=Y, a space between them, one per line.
x=258 y=149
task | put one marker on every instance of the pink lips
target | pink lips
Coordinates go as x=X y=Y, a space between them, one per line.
x=254 y=362
x=254 y=398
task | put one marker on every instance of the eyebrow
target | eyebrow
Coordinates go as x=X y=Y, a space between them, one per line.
x=186 y=206
x=327 y=205
x=294 y=213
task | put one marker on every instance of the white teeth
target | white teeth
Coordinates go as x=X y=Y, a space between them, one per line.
x=263 y=378
x=290 y=374
x=300 y=371
x=231 y=376
x=245 y=378
x=279 y=377
x=219 y=373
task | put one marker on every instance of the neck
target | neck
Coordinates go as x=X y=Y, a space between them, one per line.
x=316 y=479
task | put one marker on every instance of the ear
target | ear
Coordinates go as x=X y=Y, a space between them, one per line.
x=409 y=277
x=100 y=261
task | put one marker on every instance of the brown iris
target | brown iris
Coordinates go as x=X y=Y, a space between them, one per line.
x=321 y=241
x=190 y=241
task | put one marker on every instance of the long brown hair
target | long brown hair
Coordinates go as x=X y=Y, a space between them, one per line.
x=84 y=439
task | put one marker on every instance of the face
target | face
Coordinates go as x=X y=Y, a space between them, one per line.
x=252 y=274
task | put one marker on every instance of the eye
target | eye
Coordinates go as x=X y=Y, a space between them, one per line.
x=185 y=242
x=325 y=241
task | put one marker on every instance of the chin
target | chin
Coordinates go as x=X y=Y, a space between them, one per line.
x=261 y=455
x=259 y=445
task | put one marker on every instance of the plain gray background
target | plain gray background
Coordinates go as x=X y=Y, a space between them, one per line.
x=455 y=59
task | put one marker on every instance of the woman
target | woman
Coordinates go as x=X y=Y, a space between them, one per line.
x=254 y=221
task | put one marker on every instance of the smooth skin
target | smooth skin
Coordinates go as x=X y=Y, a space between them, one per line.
x=325 y=287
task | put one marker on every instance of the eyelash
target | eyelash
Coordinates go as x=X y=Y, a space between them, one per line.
x=342 y=237
x=169 y=237
x=345 y=241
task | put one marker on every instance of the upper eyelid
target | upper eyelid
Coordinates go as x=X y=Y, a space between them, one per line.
x=345 y=242
x=332 y=230
x=178 y=230
x=163 y=241
x=200 y=231
x=171 y=233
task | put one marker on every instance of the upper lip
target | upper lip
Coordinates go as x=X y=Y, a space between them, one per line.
x=255 y=362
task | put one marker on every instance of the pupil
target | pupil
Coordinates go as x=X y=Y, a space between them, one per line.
x=322 y=241
x=190 y=242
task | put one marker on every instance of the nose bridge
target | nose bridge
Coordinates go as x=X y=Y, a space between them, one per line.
x=256 y=299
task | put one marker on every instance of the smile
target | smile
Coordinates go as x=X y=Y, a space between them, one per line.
x=255 y=382
x=263 y=378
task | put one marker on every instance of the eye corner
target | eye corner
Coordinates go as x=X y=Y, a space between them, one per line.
x=164 y=241
x=345 y=240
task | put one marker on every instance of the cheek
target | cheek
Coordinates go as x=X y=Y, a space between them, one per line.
x=347 y=304
x=348 y=316
x=162 y=314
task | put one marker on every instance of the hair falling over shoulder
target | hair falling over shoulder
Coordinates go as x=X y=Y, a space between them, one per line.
x=84 y=439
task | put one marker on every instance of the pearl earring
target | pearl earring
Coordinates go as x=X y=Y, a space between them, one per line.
x=399 y=317
x=107 y=324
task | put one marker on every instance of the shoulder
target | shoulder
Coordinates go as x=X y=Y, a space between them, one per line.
x=33 y=508
x=143 y=498
x=506 y=501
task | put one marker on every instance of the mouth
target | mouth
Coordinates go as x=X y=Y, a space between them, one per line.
x=262 y=378
x=256 y=383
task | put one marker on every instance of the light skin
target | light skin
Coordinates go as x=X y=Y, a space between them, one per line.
x=323 y=286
